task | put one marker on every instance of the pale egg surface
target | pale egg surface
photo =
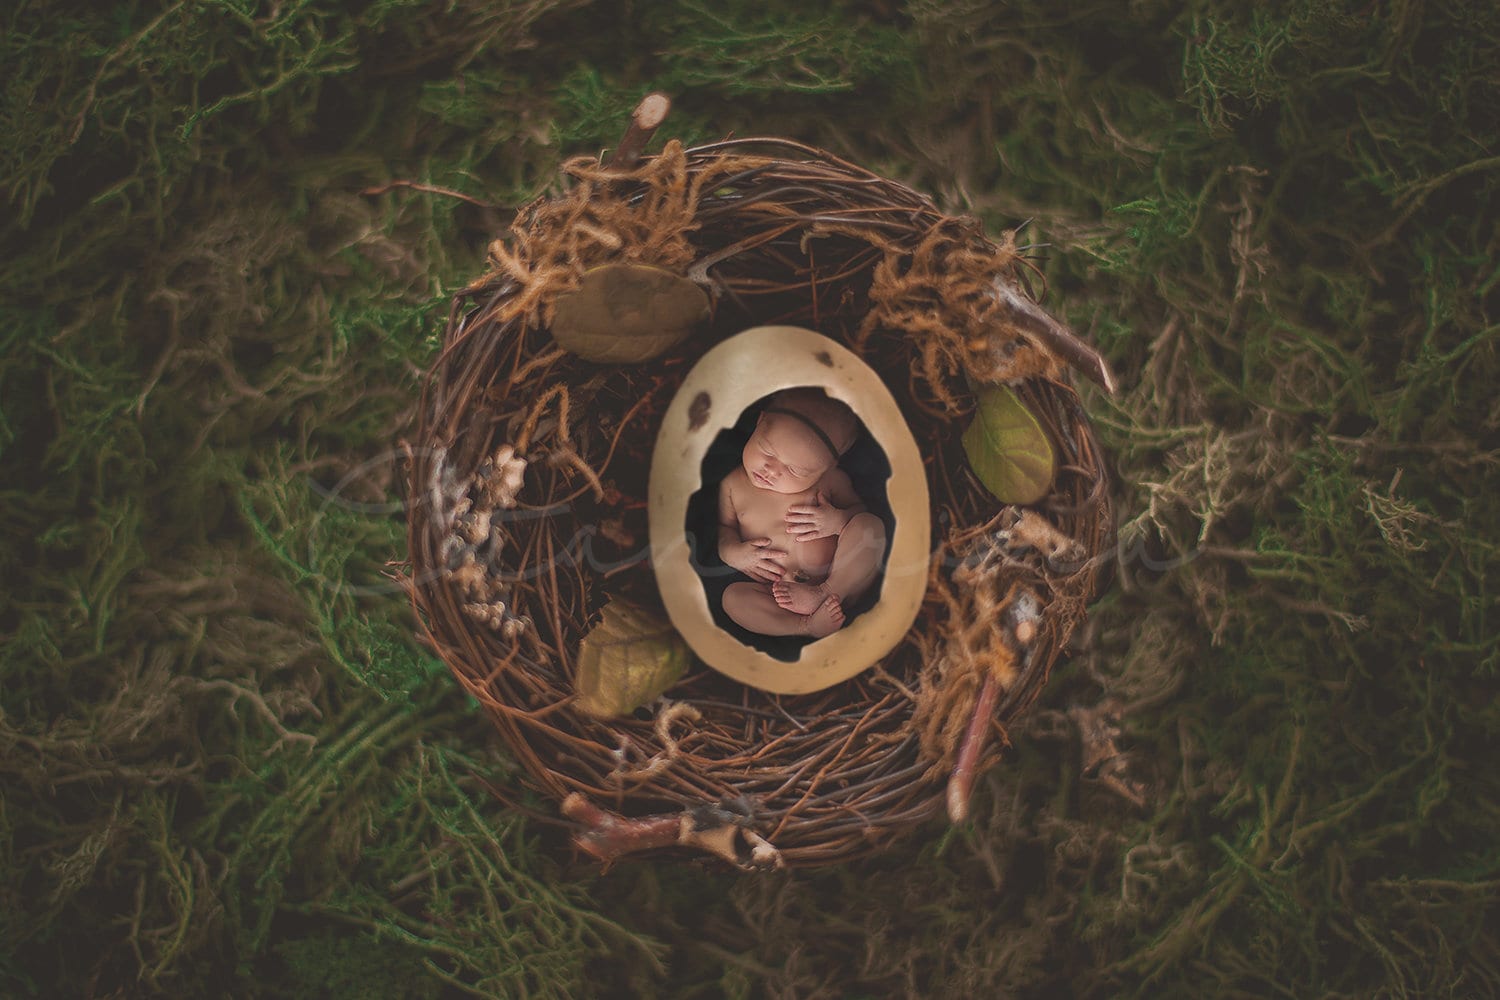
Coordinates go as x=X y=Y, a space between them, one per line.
x=718 y=390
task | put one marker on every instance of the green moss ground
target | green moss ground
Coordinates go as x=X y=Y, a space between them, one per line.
x=227 y=769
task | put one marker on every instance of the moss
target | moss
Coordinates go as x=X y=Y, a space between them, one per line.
x=225 y=758
x=339 y=965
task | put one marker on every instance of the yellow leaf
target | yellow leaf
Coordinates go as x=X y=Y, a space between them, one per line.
x=626 y=660
x=627 y=313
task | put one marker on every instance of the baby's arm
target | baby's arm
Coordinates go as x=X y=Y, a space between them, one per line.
x=840 y=492
x=753 y=556
x=834 y=506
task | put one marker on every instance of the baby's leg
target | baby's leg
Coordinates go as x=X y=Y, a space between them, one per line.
x=856 y=562
x=752 y=606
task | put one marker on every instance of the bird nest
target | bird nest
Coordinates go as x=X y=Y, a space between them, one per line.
x=528 y=513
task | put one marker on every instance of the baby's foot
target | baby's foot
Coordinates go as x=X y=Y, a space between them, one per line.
x=826 y=619
x=799 y=598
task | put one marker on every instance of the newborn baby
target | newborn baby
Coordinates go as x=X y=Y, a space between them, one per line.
x=789 y=520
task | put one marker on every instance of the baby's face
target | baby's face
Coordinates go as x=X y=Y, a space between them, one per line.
x=784 y=455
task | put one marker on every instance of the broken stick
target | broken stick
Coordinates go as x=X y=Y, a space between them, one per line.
x=647 y=118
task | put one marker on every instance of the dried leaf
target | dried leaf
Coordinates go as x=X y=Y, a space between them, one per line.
x=626 y=660
x=627 y=313
x=1007 y=448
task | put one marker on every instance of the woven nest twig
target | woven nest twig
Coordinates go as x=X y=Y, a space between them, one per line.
x=528 y=489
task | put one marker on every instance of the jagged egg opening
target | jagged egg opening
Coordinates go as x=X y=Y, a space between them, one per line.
x=727 y=380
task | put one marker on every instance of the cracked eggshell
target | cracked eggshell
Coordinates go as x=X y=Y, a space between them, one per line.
x=729 y=378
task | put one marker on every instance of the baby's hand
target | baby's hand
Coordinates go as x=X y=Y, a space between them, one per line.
x=819 y=519
x=755 y=558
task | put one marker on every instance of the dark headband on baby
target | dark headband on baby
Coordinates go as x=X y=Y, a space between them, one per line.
x=814 y=427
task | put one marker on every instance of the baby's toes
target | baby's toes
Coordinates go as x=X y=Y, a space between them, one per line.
x=827 y=619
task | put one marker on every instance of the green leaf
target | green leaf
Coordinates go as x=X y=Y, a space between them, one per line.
x=627 y=313
x=626 y=660
x=1007 y=448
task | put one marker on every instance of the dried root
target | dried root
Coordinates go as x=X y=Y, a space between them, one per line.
x=472 y=548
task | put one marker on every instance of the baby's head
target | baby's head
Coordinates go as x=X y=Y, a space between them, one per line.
x=800 y=435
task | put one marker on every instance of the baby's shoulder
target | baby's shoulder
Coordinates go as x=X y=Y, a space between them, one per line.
x=835 y=478
x=735 y=483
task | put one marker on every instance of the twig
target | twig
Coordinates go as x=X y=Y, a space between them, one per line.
x=610 y=836
x=1055 y=337
x=647 y=118
x=961 y=784
x=430 y=189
